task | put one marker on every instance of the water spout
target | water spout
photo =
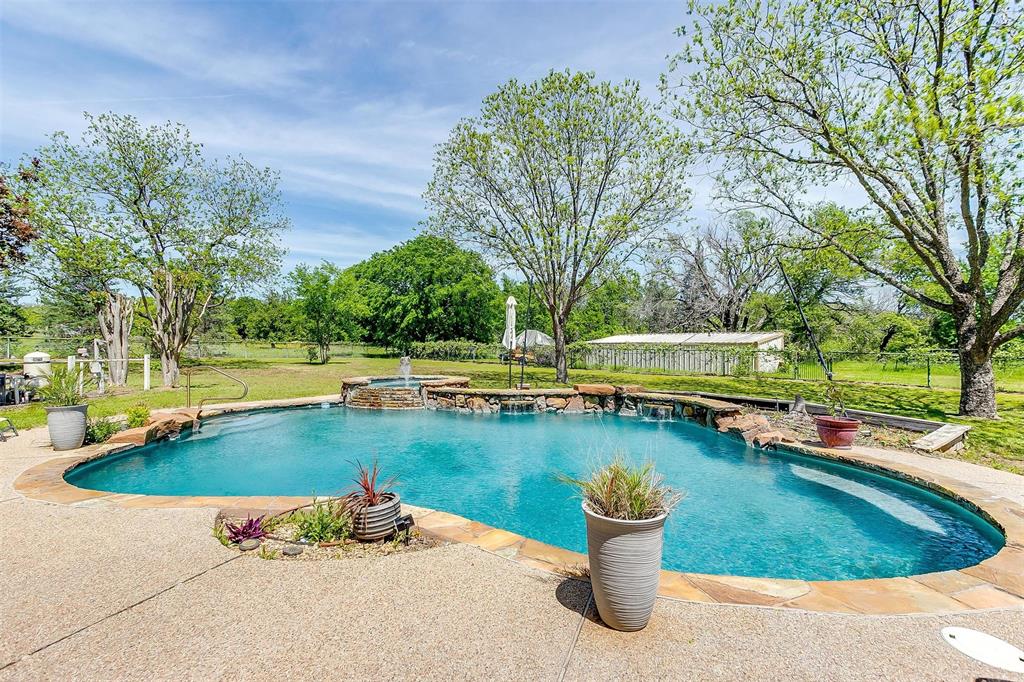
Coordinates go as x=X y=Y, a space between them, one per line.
x=654 y=412
x=405 y=367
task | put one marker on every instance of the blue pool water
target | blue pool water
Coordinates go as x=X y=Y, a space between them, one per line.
x=747 y=512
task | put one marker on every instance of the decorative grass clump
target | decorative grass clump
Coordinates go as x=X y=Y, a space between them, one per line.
x=622 y=491
x=325 y=522
x=61 y=389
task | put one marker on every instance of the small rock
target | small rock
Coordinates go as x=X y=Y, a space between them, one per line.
x=292 y=550
x=248 y=545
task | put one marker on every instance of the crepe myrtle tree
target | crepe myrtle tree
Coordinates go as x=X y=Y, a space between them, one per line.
x=561 y=178
x=918 y=106
x=183 y=231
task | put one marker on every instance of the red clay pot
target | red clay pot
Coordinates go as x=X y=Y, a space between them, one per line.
x=837 y=432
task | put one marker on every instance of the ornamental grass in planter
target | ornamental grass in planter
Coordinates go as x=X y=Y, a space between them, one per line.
x=66 y=410
x=625 y=508
x=374 y=506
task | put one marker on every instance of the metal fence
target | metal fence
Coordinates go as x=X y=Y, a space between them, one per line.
x=932 y=369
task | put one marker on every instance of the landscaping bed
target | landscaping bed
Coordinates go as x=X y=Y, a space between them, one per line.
x=285 y=536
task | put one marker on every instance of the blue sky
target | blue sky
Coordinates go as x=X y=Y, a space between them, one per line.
x=345 y=99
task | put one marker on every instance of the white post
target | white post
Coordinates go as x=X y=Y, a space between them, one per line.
x=145 y=372
x=71 y=363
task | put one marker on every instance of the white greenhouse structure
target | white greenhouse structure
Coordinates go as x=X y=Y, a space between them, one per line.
x=698 y=353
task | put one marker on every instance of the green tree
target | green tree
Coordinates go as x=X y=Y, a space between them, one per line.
x=609 y=309
x=13 y=320
x=563 y=179
x=428 y=289
x=330 y=304
x=185 y=232
x=919 y=105
x=272 y=318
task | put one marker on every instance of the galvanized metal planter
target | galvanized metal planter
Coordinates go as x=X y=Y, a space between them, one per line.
x=625 y=565
x=377 y=522
x=66 y=426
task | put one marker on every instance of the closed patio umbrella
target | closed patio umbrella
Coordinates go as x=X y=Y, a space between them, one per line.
x=508 y=339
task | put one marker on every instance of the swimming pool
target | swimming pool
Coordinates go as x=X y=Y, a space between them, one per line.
x=747 y=512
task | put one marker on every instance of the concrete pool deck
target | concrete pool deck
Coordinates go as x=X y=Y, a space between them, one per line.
x=994 y=583
x=90 y=589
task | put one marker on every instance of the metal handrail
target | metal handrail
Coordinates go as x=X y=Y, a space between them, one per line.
x=189 y=371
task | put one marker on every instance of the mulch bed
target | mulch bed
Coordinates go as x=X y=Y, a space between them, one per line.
x=284 y=535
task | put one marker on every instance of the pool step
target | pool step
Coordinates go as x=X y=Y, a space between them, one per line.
x=386 y=398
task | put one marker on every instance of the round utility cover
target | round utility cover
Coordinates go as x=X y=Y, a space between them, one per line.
x=985 y=648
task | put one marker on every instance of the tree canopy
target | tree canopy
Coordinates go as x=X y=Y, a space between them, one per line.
x=560 y=178
x=143 y=206
x=918 y=105
x=428 y=289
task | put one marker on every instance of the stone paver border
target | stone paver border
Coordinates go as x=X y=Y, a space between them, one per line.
x=997 y=582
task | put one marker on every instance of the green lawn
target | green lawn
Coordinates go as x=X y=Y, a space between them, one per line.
x=995 y=443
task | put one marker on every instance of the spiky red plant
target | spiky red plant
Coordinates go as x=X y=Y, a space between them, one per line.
x=369 y=491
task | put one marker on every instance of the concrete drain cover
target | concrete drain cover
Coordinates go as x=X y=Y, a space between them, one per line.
x=985 y=648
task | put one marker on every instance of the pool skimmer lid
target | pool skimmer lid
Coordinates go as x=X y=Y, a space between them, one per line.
x=985 y=648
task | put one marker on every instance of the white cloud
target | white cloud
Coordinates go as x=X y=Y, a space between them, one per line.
x=189 y=44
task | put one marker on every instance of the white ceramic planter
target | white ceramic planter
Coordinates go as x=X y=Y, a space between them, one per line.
x=66 y=426
x=378 y=521
x=625 y=564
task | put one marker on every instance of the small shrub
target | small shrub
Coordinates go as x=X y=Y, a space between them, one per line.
x=246 y=530
x=222 y=537
x=325 y=522
x=137 y=416
x=619 y=490
x=61 y=389
x=100 y=430
x=267 y=553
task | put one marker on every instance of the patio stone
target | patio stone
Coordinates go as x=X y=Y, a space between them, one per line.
x=761 y=591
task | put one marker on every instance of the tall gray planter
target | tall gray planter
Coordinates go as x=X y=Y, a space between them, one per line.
x=625 y=564
x=66 y=426
x=378 y=521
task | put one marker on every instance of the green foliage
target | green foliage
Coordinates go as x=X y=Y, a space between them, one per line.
x=331 y=305
x=157 y=217
x=326 y=521
x=833 y=395
x=455 y=350
x=917 y=105
x=221 y=535
x=137 y=415
x=273 y=318
x=429 y=289
x=62 y=389
x=100 y=430
x=561 y=178
x=608 y=309
x=620 y=490
x=13 y=318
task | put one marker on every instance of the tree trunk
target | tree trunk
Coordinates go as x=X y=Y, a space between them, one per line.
x=169 y=367
x=561 y=364
x=977 y=385
x=116 y=316
x=977 y=379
